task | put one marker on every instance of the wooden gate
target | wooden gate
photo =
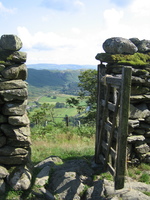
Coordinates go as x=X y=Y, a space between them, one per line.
x=112 y=122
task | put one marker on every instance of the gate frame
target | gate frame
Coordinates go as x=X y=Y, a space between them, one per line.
x=121 y=108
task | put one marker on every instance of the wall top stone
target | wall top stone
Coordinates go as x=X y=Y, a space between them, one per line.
x=10 y=42
x=119 y=45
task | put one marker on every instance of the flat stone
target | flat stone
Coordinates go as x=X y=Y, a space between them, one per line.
x=14 y=160
x=2 y=67
x=144 y=46
x=147 y=119
x=143 y=187
x=18 y=57
x=139 y=98
x=133 y=123
x=43 y=176
x=19 y=120
x=12 y=151
x=137 y=80
x=135 y=138
x=42 y=193
x=17 y=136
x=15 y=72
x=2 y=186
x=138 y=131
x=96 y=191
x=14 y=94
x=145 y=126
x=139 y=111
x=135 y=41
x=13 y=156
x=2 y=141
x=10 y=42
x=20 y=178
x=137 y=90
x=146 y=159
x=13 y=84
x=67 y=185
x=50 y=161
x=142 y=148
x=3 y=119
x=147 y=134
x=3 y=172
x=118 y=45
x=134 y=194
x=14 y=109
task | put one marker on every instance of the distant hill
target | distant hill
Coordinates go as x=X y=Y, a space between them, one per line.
x=60 y=67
x=42 y=78
x=55 y=77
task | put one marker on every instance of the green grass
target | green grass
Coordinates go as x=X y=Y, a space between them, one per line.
x=140 y=173
x=145 y=178
x=64 y=142
x=59 y=98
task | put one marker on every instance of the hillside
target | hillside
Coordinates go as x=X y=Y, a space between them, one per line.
x=60 y=66
x=42 y=78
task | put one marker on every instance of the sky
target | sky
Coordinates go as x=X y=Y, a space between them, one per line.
x=72 y=31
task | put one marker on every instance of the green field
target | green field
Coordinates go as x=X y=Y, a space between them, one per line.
x=61 y=98
x=59 y=113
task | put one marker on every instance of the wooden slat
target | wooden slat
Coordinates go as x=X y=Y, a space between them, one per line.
x=105 y=110
x=113 y=153
x=111 y=169
x=102 y=159
x=111 y=106
x=116 y=81
x=123 y=128
x=104 y=145
x=100 y=95
x=113 y=127
x=108 y=126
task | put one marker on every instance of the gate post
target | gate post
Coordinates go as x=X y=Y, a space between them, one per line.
x=123 y=127
x=100 y=94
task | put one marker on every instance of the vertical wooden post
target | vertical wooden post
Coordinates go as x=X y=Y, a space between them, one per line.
x=67 y=120
x=100 y=94
x=123 y=128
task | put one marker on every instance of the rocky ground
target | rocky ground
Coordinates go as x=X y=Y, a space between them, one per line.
x=75 y=180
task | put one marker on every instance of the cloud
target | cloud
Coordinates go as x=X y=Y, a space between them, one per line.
x=141 y=8
x=112 y=17
x=129 y=21
x=77 y=43
x=50 y=47
x=63 y=5
x=4 y=10
x=76 y=30
x=48 y=40
x=120 y=3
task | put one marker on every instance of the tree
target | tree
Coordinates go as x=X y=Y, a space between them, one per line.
x=59 y=105
x=43 y=114
x=88 y=86
x=88 y=91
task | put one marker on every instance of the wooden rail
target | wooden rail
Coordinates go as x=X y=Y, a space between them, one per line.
x=112 y=122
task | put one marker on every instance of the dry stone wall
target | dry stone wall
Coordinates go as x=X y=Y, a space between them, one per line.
x=120 y=52
x=14 y=123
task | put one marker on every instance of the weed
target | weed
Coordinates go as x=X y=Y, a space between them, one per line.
x=145 y=178
x=147 y=193
x=107 y=176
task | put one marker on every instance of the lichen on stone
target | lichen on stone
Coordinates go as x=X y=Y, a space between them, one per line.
x=136 y=59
